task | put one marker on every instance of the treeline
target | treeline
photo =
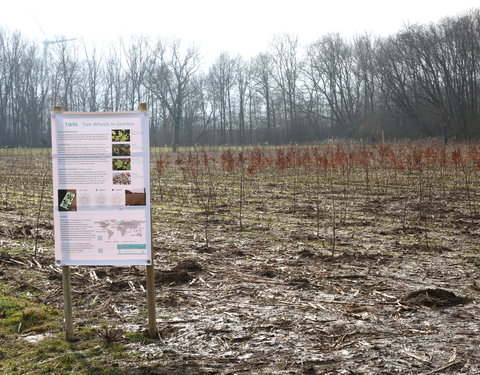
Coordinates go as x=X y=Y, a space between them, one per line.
x=423 y=81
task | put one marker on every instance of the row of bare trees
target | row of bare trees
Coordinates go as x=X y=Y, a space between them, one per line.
x=421 y=82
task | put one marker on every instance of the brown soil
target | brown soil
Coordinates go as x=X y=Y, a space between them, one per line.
x=434 y=298
x=396 y=291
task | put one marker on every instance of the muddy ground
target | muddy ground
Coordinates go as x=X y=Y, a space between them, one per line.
x=398 y=294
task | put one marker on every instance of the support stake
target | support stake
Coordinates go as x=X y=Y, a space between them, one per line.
x=152 y=315
x=67 y=303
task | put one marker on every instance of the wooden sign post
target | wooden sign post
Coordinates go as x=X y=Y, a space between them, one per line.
x=152 y=317
x=67 y=287
x=67 y=303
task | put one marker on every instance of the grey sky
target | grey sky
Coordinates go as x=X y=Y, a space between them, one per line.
x=243 y=27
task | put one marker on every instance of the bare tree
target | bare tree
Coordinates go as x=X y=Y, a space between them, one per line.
x=364 y=58
x=221 y=77
x=331 y=72
x=66 y=65
x=262 y=66
x=136 y=56
x=114 y=90
x=286 y=71
x=94 y=73
x=242 y=78
x=170 y=71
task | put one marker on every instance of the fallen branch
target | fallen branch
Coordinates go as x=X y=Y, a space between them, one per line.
x=449 y=364
x=413 y=355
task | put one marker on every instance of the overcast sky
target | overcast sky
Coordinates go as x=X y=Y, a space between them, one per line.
x=244 y=27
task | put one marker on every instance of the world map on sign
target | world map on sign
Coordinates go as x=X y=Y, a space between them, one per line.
x=122 y=228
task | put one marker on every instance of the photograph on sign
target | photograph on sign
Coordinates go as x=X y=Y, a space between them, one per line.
x=101 y=182
x=67 y=200
x=121 y=150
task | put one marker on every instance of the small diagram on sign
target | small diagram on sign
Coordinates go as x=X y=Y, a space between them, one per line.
x=67 y=200
x=100 y=199
x=121 y=135
x=135 y=197
x=117 y=199
x=84 y=199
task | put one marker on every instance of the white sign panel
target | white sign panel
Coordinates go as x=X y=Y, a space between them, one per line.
x=101 y=188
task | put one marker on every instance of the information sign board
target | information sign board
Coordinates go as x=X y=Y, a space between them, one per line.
x=101 y=186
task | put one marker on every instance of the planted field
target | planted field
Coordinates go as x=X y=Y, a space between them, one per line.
x=338 y=258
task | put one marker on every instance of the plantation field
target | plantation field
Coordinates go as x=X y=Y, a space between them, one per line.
x=328 y=259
